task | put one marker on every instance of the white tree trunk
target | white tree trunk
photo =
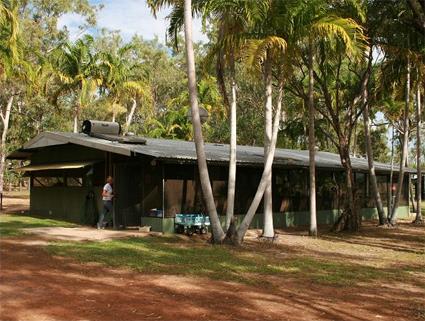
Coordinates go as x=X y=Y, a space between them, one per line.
x=390 y=190
x=418 y=217
x=5 y=120
x=369 y=151
x=240 y=233
x=404 y=148
x=217 y=230
x=312 y=146
x=130 y=116
x=231 y=185
x=76 y=120
x=268 y=230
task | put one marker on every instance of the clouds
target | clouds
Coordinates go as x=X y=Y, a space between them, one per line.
x=130 y=17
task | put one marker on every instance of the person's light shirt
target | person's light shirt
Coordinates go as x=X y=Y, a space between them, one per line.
x=107 y=194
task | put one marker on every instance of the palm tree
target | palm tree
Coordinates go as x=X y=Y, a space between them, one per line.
x=322 y=38
x=418 y=217
x=234 y=18
x=119 y=81
x=217 y=230
x=368 y=144
x=77 y=69
x=266 y=51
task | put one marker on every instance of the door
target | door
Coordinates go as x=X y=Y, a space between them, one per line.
x=128 y=187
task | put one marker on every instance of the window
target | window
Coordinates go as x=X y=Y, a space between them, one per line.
x=48 y=181
x=74 y=181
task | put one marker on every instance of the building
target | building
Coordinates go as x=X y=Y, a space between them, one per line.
x=157 y=178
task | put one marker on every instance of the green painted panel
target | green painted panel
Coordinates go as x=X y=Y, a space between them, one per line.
x=65 y=203
x=372 y=213
x=158 y=224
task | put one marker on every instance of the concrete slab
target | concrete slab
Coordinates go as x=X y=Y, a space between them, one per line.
x=81 y=233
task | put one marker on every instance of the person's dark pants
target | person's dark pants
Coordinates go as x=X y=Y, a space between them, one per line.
x=107 y=209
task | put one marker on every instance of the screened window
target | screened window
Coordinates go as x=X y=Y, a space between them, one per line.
x=74 y=181
x=48 y=181
x=291 y=191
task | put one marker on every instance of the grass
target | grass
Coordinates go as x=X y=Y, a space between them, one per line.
x=336 y=260
x=169 y=255
x=12 y=225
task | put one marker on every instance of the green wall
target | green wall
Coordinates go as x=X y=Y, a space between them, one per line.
x=158 y=224
x=65 y=203
x=291 y=219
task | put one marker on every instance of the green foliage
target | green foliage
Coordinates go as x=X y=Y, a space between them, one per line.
x=52 y=72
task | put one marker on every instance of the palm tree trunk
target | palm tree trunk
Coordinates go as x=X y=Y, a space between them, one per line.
x=405 y=143
x=418 y=218
x=130 y=116
x=390 y=190
x=268 y=230
x=240 y=233
x=5 y=120
x=231 y=185
x=76 y=112
x=369 y=151
x=311 y=145
x=217 y=230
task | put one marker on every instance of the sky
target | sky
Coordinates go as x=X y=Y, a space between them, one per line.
x=130 y=17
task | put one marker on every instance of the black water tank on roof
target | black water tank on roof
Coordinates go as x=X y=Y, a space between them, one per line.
x=92 y=127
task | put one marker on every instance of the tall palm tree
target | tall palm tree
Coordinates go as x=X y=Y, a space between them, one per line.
x=418 y=217
x=186 y=8
x=217 y=230
x=266 y=52
x=321 y=23
x=77 y=68
x=234 y=18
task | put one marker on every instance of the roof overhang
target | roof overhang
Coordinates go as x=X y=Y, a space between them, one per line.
x=19 y=154
x=54 y=166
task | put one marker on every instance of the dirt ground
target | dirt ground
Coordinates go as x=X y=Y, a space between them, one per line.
x=35 y=286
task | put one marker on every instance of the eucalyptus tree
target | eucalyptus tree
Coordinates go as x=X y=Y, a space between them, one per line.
x=9 y=57
x=78 y=71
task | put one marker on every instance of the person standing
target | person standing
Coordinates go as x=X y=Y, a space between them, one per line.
x=107 y=196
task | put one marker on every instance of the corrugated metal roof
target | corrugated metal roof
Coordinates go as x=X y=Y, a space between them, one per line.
x=178 y=150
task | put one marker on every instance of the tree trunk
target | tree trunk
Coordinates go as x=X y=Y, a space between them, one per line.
x=390 y=190
x=5 y=120
x=240 y=233
x=370 y=161
x=350 y=218
x=231 y=185
x=76 y=114
x=311 y=145
x=217 y=230
x=418 y=218
x=130 y=116
x=268 y=230
x=404 y=148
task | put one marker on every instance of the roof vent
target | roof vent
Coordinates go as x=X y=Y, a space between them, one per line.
x=109 y=131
